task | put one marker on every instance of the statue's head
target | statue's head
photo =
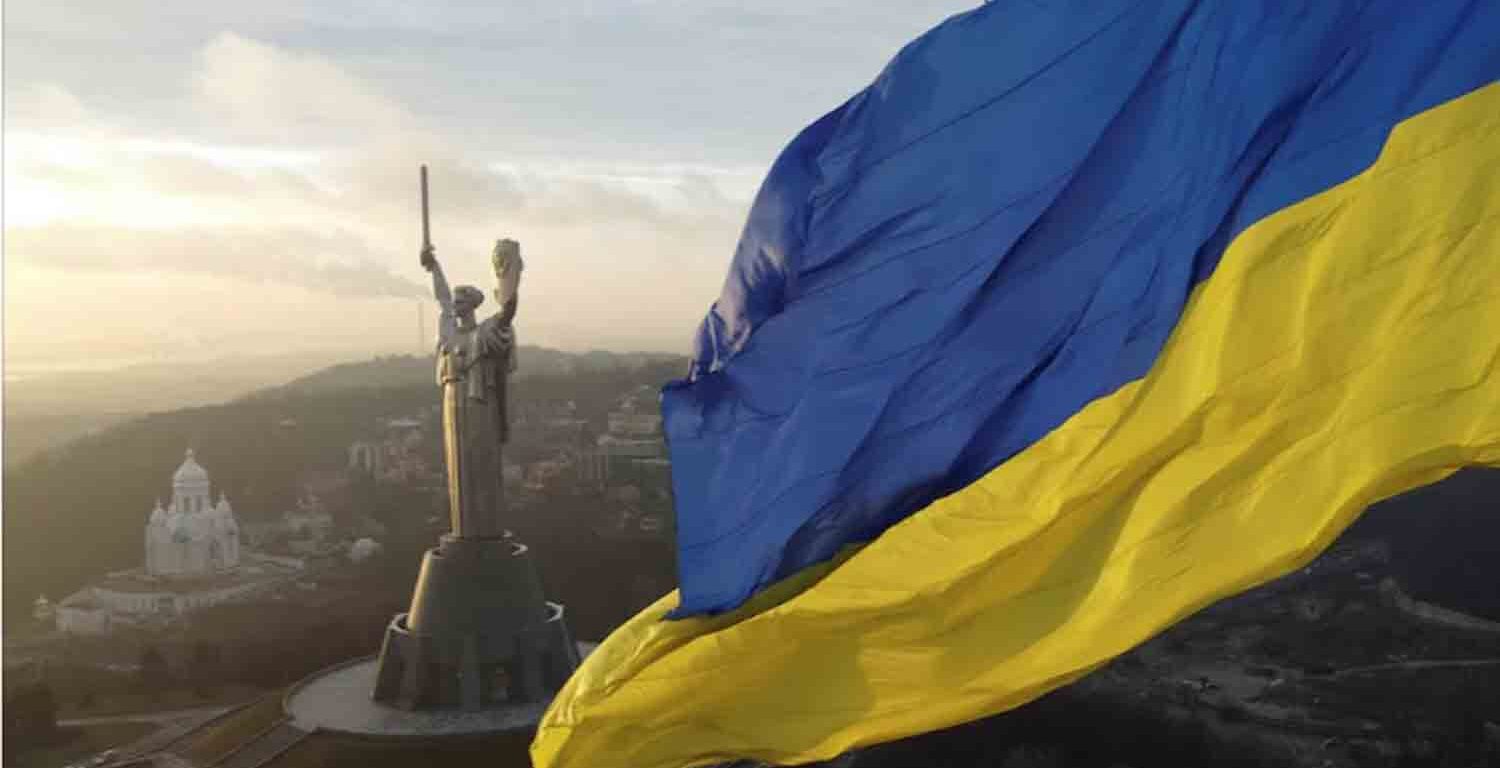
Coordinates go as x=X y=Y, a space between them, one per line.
x=466 y=299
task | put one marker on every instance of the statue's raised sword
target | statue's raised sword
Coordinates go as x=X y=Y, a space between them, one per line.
x=426 y=232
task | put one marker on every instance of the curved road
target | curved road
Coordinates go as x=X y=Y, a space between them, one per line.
x=157 y=718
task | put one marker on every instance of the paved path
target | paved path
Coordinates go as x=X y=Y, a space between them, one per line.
x=159 y=718
x=263 y=748
x=1419 y=664
x=174 y=726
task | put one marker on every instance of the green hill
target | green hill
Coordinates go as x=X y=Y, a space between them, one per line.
x=77 y=511
x=409 y=370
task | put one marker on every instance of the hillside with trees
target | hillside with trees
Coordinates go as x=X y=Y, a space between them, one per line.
x=75 y=512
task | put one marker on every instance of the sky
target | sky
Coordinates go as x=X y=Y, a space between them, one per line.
x=232 y=178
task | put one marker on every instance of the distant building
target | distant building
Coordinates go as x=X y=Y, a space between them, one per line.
x=630 y=522
x=634 y=433
x=539 y=473
x=615 y=460
x=632 y=424
x=193 y=536
x=532 y=413
x=194 y=559
x=395 y=457
x=634 y=418
x=546 y=422
x=366 y=457
x=591 y=468
x=363 y=549
x=42 y=609
x=310 y=520
x=627 y=448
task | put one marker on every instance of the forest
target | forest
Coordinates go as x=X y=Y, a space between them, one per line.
x=78 y=511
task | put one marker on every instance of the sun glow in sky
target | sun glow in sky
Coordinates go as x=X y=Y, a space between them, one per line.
x=240 y=178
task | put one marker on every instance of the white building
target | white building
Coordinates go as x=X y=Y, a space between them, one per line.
x=363 y=550
x=310 y=520
x=193 y=536
x=193 y=560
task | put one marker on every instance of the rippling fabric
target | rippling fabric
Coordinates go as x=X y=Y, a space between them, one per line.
x=1082 y=317
x=1343 y=351
x=1002 y=229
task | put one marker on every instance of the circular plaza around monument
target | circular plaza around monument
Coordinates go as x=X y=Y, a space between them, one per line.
x=338 y=699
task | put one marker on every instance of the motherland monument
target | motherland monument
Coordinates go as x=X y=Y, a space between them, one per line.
x=480 y=631
x=466 y=673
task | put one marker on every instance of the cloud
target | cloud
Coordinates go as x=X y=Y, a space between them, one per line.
x=335 y=263
x=48 y=105
x=280 y=95
x=379 y=179
x=248 y=171
x=310 y=194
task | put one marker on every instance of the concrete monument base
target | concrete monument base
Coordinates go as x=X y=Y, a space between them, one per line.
x=479 y=634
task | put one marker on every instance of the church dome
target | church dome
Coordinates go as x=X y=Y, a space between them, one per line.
x=191 y=472
x=158 y=515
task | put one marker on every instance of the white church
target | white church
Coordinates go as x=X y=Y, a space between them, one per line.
x=193 y=536
x=194 y=559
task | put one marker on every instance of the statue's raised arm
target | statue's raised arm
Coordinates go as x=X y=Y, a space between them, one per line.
x=447 y=318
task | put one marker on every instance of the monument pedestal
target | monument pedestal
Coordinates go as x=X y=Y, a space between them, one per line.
x=479 y=633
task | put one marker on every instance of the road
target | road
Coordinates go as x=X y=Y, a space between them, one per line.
x=155 y=718
x=1418 y=664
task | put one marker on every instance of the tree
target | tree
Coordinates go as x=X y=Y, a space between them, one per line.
x=205 y=669
x=154 y=676
x=30 y=718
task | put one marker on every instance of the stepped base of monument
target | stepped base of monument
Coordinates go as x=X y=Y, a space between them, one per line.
x=479 y=634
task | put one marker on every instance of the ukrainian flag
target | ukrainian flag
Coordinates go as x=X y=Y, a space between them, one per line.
x=1083 y=316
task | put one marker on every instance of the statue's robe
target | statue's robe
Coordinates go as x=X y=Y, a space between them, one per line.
x=474 y=365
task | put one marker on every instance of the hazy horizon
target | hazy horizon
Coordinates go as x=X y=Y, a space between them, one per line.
x=243 y=180
x=321 y=357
